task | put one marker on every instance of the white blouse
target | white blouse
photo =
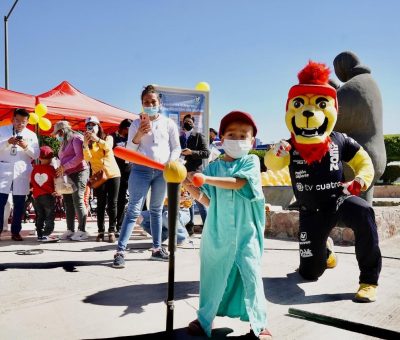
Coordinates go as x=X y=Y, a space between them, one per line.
x=161 y=143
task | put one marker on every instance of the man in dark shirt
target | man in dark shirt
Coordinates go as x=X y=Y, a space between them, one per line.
x=194 y=150
x=120 y=138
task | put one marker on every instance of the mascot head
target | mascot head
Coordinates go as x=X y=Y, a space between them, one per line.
x=311 y=112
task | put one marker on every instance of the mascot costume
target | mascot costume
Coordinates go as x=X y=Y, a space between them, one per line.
x=315 y=155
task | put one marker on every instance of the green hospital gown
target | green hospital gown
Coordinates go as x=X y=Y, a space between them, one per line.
x=232 y=246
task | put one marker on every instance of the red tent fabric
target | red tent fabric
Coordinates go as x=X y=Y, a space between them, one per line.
x=9 y=100
x=65 y=102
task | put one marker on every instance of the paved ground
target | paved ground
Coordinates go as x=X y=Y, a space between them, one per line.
x=70 y=291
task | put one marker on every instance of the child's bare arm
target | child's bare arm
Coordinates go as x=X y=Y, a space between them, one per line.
x=231 y=183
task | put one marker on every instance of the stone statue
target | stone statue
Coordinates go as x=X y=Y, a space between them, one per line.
x=360 y=110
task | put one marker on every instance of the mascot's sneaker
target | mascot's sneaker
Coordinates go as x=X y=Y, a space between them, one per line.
x=332 y=260
x=366 y=293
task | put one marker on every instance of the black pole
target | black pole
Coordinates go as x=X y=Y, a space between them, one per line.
x=5 y=54
x=6 y=45
x=173 y=190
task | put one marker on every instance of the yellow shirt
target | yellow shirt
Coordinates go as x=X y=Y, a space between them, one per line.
x=185 y=200
x=101 y=157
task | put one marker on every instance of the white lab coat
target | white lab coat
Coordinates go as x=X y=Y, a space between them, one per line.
x=16 y=170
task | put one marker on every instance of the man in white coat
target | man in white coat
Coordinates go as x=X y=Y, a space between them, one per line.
x=18 y=147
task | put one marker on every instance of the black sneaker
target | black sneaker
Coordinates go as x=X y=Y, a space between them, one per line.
x=119 y=261
x=190 y=228
x=159 y=255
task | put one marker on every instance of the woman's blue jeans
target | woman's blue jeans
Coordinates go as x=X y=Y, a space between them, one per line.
x=141 y=179
x=181 y=232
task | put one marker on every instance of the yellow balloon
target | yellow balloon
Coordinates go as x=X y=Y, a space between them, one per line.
x=41 y=110
x=44 y=124
x=33 y=118
x=203 y=86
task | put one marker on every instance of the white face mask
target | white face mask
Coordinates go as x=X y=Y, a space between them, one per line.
x=237 y=148
x=93 y=128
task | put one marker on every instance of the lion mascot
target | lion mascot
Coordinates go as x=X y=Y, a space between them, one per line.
x=315 y=155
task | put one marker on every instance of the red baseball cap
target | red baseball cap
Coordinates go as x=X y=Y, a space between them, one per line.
x=235 y=116
x=46 y=152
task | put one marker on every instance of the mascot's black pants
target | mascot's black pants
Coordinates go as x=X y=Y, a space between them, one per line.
x=315 y=226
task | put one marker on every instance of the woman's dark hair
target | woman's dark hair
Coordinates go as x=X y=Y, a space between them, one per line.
x=126 y=123
x=188 y=116
x=149 y=89
x=21 y=112
x=214 y=131
x=101 y=134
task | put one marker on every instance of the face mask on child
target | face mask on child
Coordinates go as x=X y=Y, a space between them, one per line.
x=151 y=110
x=237 y=148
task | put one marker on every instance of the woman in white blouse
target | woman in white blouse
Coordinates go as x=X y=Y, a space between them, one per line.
x=157 y=137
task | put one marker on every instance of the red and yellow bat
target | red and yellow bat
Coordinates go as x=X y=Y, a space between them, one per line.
x=137 y=158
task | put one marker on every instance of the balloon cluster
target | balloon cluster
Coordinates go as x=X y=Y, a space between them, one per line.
x=275 y=178
x=37 y=117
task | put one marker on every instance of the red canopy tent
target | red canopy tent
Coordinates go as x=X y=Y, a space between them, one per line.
x=65 y=102
x=9 y=100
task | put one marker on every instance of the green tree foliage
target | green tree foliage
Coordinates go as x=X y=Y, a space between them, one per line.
x=391 y=174
x=50 y=141
x=392 y=145
x=260 y=154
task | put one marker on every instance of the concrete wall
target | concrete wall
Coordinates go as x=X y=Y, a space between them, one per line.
x=285 y=225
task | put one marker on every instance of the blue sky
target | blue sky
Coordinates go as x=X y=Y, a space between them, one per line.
x=248 y=51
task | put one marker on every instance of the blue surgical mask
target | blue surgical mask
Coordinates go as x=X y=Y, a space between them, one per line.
x=152 y=110
x=60 y=138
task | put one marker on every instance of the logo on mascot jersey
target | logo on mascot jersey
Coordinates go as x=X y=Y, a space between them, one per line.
x=306 y=253
x=303 y=236
x=334 y=157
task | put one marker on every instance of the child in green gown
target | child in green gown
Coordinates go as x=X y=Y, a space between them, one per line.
x=232 y=239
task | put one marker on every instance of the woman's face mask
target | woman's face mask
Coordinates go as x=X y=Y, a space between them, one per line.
x=93 y=128
x=237 y=148
x=151 y=110
x=60 y=138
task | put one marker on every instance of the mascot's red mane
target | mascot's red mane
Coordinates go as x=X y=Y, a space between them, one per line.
x=314 y=73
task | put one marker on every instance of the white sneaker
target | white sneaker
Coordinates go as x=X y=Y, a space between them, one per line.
x=67 y=235
x=80 y=236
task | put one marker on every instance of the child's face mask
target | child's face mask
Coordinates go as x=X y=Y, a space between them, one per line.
x=237 y=148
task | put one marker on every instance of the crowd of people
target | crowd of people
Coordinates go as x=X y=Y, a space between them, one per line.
x=30 y=172
x=230 y=200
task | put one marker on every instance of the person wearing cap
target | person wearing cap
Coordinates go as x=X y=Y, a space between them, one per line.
x=98 y=152
x=42 y=181
x=120 y=138
x=232 y=240
x=18 y=147
x=315 y=154
x=194 y=150
x=75 y=168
